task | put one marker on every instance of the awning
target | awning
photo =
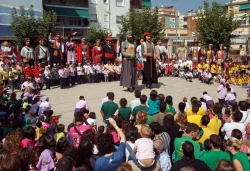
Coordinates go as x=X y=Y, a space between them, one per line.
x=70 y=12
x=244 y=6
x=146 y=3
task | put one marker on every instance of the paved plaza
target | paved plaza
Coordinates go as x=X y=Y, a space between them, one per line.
x=63 y=101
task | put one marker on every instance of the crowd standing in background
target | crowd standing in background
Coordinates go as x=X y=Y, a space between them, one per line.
x=148 y=133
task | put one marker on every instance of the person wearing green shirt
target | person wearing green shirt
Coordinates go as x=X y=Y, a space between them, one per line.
x=239 y=159
x=212 y=157
x=109 y=108
x=142 y=107
x=191 y=133
x=124 y=112
x=169 y=106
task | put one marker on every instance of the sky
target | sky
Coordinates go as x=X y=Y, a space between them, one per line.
x=183 y=5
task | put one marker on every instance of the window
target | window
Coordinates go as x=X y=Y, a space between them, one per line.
x=172 y=19
x=118 y=19
x=105 y=1
x=106 y=19
x=236 y=8
x=93 y=1
x=243 y=22
x=119 y=3
x=93 y=17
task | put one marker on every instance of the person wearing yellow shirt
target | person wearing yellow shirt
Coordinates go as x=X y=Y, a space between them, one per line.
x=5 y=75
x=1 y=75
x=206 y=131
x=199 y=69
x=194 y=118
x=233 y=80
x=213 y=69
x=240 y=80
x=206 y=66
x=200 y=111
x=12 y=77
x=215 y=123
x=219 y=70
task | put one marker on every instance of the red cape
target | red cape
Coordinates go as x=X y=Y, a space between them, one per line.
x=79 y=53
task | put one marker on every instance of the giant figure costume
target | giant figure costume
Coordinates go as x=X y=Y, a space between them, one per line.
x=149 y=70
x=129 y=75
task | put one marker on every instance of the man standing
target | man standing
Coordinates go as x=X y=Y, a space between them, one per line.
x=129 y=75
x=149 y=70
x=109 y=53
x=83 y=51
x=41 y=52
x=81 y=104
x=162 y=50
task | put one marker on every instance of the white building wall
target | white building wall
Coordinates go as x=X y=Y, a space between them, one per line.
x=107 y=9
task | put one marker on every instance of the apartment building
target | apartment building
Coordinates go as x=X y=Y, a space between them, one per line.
x=6 y=7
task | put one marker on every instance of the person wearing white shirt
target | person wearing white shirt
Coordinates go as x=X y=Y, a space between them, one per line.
x=235 y=124
x=44 y=106
x=189 y=76
x=81 y=104
x=163 y=50
x=207 y=77
x=232 y=90
x=24 y=85
x=189 y=63
x=135 y=102
x=104 y=99
x=162 y=155
x=208 y=99
x=89 y=71
x=230 y=98
x=242 y=106
x=79 y=73
x=138 y=51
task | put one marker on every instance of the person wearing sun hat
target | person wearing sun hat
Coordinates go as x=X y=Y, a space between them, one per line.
x=148 y=53
x=109 y=51
x=41 y=52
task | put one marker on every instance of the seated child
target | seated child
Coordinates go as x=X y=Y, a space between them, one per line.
x=144 y=154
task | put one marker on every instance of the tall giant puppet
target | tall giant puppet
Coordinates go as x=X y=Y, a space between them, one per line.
x=83 y=52
x=129 y=74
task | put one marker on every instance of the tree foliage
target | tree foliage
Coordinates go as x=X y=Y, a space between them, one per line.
x=25 y=24
x=141 y=21
x=97 y=33
x=214 y=25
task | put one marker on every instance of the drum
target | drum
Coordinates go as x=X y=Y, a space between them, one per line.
x=111 y=73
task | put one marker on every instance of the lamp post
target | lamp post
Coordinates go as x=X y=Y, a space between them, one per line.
x=176 y=29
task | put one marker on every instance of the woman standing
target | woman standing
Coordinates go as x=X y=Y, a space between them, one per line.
x=148 y=53
x=239 y=159
x=47 y=75
x=27 y=52
x=70 y=47
x=97 y=52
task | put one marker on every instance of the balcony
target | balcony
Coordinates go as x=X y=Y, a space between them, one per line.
x=73 y=3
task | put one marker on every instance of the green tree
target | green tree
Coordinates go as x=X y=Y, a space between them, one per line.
x=215 y=25
x=141 y=21
x=97 y=33
x=24 y=24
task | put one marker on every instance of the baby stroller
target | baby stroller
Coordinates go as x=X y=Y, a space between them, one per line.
x=175 y=72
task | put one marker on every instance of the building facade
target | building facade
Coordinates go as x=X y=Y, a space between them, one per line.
x=73 y=14
x=240 y=44
x=6 y=7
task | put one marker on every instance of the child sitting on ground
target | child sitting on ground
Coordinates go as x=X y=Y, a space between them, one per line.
x=144 y=154
x=59 y=132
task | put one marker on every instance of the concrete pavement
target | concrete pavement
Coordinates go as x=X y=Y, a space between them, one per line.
x=63 y=101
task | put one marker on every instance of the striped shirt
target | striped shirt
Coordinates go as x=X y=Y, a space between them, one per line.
x=165 y=139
